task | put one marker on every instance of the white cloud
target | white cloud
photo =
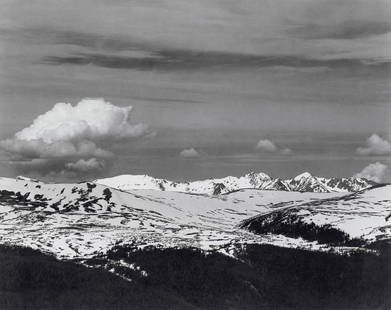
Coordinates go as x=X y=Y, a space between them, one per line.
x=286 y=151
x=375 y=172
x=90 y=119
x=74 y=137
x=268 y=146
x=189 y=153
x=89 y=165
x=375 y=145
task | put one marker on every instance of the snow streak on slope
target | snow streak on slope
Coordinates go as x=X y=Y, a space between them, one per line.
x=304 y=182
x=80 y=220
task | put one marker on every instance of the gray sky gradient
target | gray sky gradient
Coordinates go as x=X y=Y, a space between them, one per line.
x=217 y=76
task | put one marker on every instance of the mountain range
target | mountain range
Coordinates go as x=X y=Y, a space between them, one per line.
x=254 y=238
x=304 y=182
x=88 y=218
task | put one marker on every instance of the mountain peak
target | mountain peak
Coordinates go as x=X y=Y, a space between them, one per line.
x=304 y=182
x=260 y=175
x=304 y=175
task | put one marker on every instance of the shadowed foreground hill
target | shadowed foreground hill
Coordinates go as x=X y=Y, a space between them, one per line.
x=32 y=280
x=265 y=277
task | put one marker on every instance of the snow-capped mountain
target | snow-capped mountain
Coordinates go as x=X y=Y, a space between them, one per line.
x=80 y=220
x=347 y=184
x=304 y=182
x=85 y=219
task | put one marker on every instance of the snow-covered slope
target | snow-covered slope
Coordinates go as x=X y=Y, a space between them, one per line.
x=80 y=220
x=361 y=216
x=304 y=182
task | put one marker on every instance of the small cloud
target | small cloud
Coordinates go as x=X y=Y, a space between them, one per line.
x=286 y=151
x=268 y=146
x=189 y=153
x=90 y=165
x=375 y=172
x=375 y=145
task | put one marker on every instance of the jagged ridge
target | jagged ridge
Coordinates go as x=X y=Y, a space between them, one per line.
x=304 y=182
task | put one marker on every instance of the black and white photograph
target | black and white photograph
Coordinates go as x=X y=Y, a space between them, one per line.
x=195 y=154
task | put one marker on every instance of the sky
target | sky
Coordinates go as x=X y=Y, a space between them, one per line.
x=195 y=89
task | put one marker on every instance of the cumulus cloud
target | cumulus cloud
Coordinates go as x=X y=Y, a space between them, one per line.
x=375 y=172
x=376 y=145
x=268 y=146
x=73 y=137
x=90 y=119
x=89 y=165
x=189 y=153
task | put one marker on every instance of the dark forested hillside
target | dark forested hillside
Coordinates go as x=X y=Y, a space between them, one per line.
x=32 y=280
x=263 y=277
